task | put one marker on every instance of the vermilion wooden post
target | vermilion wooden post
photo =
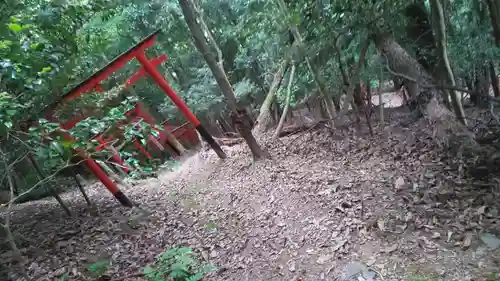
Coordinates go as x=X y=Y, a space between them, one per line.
x=160 y=80
x=93 y=82
x=138 y=144
x=103 y=144
x=110 y=185
x=101 y=175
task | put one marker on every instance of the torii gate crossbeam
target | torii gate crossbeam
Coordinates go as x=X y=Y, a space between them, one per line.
x=149 y=67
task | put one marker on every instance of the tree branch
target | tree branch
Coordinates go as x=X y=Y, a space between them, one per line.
x=428 y=86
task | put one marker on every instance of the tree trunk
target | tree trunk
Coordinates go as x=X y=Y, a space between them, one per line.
x=287 y=104
x=195 y=26
x=368 y=106
x=276 y=112
x=494 y=8
x=419 y=31
x=447 y=130
x=47 y=186
x=331 y=104
x=225 y=123
x=380 y=100
x=264 y=120
x=78 y=180
x=357 y=102
x=343 y=73
x=352 y=85
x=481 y=86
x=440 y=30
x=494 y=80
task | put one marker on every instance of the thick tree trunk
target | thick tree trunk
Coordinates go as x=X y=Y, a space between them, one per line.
x=440 y=30
x=264 y=120
x=481 y=86
x=195 y=25
x=447 y=129
x=419 y=31
x=494 y=80
x=287 y=103
x=494 y=8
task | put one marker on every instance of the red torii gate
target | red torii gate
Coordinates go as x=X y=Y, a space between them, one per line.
x=148 y=67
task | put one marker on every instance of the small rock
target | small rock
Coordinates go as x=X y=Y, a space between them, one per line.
x=481 y=210
x=323 y=259
x=399 y=183
x=340 y=244
x=213 y=254
x=490 y=240
x=357 y=271
x=381 y=224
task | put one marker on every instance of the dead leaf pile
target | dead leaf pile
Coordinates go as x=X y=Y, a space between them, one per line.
x=392 y=201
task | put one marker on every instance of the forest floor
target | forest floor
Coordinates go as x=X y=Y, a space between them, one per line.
x=390 y=202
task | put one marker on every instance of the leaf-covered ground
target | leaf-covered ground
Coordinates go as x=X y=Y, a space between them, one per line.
x=390 y=202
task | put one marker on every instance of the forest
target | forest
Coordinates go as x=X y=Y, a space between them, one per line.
x=176 y=140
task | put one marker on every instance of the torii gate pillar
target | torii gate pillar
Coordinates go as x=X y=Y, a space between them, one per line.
x=160 y=80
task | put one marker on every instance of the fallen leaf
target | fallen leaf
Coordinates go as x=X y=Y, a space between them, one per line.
x=449 y=234
x=339 y=245
x=291 y=266
x=381 y=224
x=467 y=241
x=323 y=259
x=481 y=210
x=391 y=249
x=399 y=183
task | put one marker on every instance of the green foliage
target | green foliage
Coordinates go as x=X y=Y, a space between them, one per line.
x=177 y=264
x=492 y=276
x=98 y=268
x=47 y=47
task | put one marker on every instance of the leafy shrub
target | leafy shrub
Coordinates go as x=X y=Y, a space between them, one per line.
x=177 y=264
x=98 y=268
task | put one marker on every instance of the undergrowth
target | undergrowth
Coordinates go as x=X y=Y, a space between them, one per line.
x=176 y=264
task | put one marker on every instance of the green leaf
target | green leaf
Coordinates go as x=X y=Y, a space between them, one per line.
x=195 y=277
x=15 y=27
x=148 y=271
x=3 y=130
x=4 y=44
x=37 y=46
x=295 y=19
x=67 y=143
x=11 y=112
x=45 y=69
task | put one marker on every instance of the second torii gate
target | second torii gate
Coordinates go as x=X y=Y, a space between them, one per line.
x=148 y=67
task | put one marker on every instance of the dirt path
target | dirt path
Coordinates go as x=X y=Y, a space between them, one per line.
x=322 y=202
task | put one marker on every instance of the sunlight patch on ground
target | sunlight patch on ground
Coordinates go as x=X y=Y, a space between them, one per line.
x=390 y=100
